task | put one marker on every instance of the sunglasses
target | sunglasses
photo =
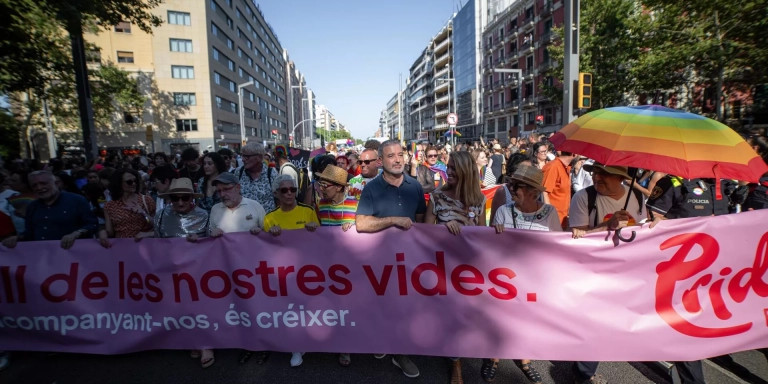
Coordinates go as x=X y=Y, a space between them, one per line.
x=366 y=162
x=130 y=182
x=324 y=184
x=430 y=156
x=184 y=198
x=291 y=189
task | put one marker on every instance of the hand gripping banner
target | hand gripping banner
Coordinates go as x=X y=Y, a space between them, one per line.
x=685 y=289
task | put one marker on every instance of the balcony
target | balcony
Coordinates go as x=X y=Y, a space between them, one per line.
x=442 y=46
x=546 y=8
x=440 y=73
x=528 y=24
x=441 y=100
x=443 y=59
x=527 y=46
x=500 y=60
x=439 y=85
x=441 y=127
x=441 y=112
x=546 y=37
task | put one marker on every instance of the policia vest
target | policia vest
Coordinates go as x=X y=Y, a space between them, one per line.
x=675 y=198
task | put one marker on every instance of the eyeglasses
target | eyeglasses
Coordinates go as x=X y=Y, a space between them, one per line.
x=515 y=186
x=544 y=151
x=291 y=189
x=324 y=184
x=366 y=162
x=130 y=182
x=184 y=198
x=430 y=156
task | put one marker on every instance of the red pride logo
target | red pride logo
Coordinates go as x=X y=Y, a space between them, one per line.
x=737 y=286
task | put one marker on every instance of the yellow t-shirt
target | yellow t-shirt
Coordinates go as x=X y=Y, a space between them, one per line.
x=293 y=219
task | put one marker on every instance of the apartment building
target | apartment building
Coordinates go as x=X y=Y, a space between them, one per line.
x=193 y=68
x=518 y=36
x=394 y=116
x=420 y=98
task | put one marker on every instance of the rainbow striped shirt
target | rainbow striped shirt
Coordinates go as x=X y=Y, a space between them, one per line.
x=331 y=214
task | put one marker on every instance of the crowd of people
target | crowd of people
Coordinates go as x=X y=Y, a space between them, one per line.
x=381 y=186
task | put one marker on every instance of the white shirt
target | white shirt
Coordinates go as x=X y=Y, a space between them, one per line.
x=543 y=219
x=604 y=206
x=581 y=179
x=242 y=218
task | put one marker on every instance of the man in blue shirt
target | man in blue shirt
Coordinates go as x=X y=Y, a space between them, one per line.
x=55 y=214
x=392 y=199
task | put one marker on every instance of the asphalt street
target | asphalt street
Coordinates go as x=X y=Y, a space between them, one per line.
x=173 y=366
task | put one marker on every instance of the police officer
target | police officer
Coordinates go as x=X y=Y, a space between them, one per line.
x=674 y=198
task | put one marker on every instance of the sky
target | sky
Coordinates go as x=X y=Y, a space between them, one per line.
x=352 y=52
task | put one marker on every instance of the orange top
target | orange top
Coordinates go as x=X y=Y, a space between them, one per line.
x=557 y=181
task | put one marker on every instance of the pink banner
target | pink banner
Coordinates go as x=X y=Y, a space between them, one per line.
x=686 y=289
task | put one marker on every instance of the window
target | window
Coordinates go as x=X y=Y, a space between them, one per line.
x=186 y=125
x=130 y=118
x=182 y=72
x=124 y=57
x=179 y=18
x=182 y=98
x=123 y=27
x=181 y=45
x=93 y=56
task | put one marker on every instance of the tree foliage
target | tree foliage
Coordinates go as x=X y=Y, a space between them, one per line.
x=655 y=46
x=35 y=48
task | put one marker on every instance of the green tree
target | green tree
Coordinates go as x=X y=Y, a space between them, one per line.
x=719 y=45
x=31 y=26
x=609 y=48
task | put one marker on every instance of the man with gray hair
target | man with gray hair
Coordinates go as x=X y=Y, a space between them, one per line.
x=234 y=213
x=255 y=176
x=392 y=199
x=55 y=214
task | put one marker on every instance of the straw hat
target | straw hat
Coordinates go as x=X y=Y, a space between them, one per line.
x=182 y=186
x=334 y=174
x=529 y=175
x=611 y=169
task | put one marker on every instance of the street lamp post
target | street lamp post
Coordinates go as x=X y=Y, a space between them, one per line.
x=293 y=117
x=519 y=73
x=242 y=111
x=293 y=131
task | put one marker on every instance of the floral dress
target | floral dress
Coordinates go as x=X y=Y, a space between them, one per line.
x=128 y=222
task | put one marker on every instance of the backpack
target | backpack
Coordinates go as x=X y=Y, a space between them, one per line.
x=592 y=201
x=758 y=196
x=302 y=182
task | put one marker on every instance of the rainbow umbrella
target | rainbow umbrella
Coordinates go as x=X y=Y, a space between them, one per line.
x=662 y=139
x=452 y=131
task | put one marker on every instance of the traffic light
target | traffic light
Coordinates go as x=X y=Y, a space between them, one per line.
x=585 y=91
x=274 y=133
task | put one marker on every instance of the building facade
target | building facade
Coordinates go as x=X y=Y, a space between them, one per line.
x=193 y=69
x=518 y=37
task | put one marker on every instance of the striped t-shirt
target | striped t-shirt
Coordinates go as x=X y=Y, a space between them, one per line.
x=331 y=214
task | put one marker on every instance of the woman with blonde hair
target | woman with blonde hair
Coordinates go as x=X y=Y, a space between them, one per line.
x=457 y=203
x=486 y=176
